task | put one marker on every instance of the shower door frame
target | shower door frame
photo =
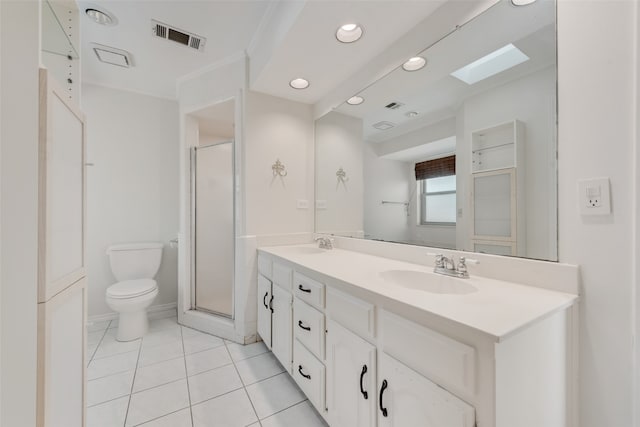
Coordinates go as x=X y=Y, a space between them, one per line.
x=193 y=171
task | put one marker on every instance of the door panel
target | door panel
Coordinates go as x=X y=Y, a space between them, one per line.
x=264 y=310
x=281 y=332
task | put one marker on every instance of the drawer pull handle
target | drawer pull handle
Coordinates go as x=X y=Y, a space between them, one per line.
x=271 y=303
x=362 y=390
x=382 y=389
x=303 y=289
x=264 y=300
x=301 y=325
x=303 y=374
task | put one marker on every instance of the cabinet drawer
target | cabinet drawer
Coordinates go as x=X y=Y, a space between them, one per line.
x=351 y=312
x=445 y=361
x=308 y=327
x=282 y=275
x=308 y=290
x=309 y=374
x=264 y=266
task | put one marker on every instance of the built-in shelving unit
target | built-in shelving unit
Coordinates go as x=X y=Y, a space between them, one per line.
x=497 y=202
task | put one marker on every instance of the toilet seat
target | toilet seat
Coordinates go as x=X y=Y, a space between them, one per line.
x=131 y=288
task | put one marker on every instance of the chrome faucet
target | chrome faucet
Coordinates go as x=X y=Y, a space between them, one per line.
x=324 y=242
x=447 y=266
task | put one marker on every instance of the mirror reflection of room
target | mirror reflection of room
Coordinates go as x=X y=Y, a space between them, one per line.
x=459 y=153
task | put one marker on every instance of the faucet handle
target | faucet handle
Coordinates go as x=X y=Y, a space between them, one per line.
x=462 y=265
x=439 y=259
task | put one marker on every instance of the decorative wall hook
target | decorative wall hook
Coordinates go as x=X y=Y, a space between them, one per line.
x=278 y=169
x=341 y=176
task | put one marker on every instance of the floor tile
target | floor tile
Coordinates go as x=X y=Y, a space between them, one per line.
x=293 y=417
x=156 y=402
x=160 y=353
x=110 y=346
x=200 y=342
x=241 y=352
x=108 y=414
x=91 y=350
x=230 y=410
x=206 y=360
x=94 y=337
x=163 y=323
x=112 y=365
x=159 y=373
x=213 y=383
x=181 y=418
x=259 y=368
x=274 y=395
x=162 y=336
x=98 y=326
x=108 y=388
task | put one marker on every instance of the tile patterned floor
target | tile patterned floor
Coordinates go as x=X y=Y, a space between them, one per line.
x=178 y=377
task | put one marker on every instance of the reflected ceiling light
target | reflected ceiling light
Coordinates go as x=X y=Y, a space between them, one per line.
x=496 y=62
x=414 y=64
x=412 y=114
x=101 y=17
x=355 y=100
x=299 y=83
x=522 y=2
x=349 y=33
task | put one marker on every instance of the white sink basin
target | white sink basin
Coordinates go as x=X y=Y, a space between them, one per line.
x=428 y=282
x=306 y=250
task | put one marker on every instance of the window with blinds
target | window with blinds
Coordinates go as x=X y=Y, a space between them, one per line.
x=437 y=186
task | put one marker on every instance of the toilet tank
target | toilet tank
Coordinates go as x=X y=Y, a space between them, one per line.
x=132 y=261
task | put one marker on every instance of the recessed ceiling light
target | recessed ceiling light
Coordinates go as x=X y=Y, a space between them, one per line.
x=497 y=61
x=299 y=83
x=355 y=100
x=414 y=64
x=349 y=33
x=101 y=17
x=522 y=2
x=412 y=114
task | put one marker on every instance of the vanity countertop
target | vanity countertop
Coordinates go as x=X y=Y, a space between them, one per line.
x=497 y=308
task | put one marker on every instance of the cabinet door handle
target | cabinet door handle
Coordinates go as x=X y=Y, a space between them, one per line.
x=382 y=389
x=303 y=289
x=264 y=300
x=302 y=373
x=362 y=390
x=271 y=303
x=301 y=325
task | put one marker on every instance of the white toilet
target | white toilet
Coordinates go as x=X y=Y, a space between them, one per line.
x=134 y=265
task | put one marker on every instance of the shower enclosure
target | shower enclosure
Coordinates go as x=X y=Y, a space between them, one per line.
x=212 y=263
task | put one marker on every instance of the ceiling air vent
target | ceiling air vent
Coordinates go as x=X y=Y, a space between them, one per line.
x=394 y=105
x=184 y=38
x=111 y=55
x=383 y=125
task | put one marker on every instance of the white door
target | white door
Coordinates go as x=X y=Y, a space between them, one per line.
x=281 y=330
x=61 y=259
x=351 y=378
x=407 y=399
x=264 y=309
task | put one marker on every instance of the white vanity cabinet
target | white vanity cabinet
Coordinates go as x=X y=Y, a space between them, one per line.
x=407 y=399
x=351 y=378
x=264 y=309
x=281 y=326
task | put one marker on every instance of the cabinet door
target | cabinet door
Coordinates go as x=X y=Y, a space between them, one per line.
x=281 y=331
x=61 y=358
x=407 y=399
x=264 y=309
x=351 y=378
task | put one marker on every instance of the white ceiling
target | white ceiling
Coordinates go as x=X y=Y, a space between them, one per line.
x=424 y=152
x=228 y=26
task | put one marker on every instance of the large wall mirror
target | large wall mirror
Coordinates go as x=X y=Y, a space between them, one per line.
x=459 y=154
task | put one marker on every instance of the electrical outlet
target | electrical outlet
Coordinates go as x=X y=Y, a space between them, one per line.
x=594 y=196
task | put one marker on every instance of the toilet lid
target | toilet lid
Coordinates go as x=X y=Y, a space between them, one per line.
x=131 y=288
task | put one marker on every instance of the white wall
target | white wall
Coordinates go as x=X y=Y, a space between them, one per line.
x=132 y=187
x=278 y=129
x=339 y=144
x=597 y=137
x=19 y=44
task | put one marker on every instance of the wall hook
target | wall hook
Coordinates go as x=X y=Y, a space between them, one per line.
x=278 y=169
x=342 y=175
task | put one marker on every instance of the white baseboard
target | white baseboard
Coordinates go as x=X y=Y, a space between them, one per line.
x=154 y=312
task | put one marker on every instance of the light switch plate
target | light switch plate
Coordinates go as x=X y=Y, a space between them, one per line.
x=321 y=204
x=302 y=204
x=594 y=196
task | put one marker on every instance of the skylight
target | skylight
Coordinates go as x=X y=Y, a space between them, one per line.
x=491 y=64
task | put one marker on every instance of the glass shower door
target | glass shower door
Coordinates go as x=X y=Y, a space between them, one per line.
x=213 y=233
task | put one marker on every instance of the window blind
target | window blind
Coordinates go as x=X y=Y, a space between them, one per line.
x=436 y=168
